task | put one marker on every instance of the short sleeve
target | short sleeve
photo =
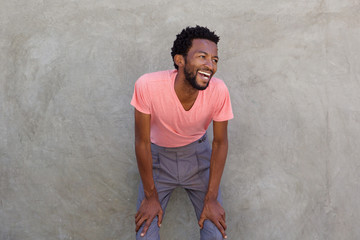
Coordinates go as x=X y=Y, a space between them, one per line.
x=223 y=110
x=141 y=98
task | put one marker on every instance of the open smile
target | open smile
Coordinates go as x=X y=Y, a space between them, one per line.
x=204 y=75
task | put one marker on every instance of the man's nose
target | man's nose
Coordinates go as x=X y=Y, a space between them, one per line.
x=209 y=64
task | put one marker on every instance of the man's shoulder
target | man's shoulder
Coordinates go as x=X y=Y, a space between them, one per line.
x=217 y=84
x=217 y=81
x=156 y=76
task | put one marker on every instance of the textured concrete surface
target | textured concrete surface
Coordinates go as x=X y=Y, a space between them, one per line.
x=67 y=70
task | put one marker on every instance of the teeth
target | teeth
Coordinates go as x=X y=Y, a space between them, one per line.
x=206 y=74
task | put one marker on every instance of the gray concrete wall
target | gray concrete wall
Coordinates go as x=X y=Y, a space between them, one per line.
x=67 y=70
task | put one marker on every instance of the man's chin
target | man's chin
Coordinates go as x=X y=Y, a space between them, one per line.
x=194 y=82
x=201 y=87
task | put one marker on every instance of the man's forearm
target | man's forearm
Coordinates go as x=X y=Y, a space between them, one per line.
x=144 y=162
x=217 y=164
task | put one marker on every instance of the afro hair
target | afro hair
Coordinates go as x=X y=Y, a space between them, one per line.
x=183 y=40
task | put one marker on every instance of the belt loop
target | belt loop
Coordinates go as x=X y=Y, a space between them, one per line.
x=203 y=138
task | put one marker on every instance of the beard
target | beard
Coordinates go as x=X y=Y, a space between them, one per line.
x=191 y=78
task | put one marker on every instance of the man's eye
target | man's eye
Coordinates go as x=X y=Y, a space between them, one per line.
x=215 y=60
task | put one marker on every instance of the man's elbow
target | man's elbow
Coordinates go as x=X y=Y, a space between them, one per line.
x=141 y=142
x=223 y=142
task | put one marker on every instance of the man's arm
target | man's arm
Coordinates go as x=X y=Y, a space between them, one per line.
x=150 y=206
x=212 y=208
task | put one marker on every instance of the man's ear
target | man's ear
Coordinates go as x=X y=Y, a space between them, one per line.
x=179 y=60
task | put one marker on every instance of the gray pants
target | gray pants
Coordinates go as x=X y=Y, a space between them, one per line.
x=186 y=167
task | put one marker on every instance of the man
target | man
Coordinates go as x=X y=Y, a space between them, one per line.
x=173 y=110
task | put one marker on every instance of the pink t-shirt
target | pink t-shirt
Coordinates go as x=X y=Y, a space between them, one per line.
x=171 y=125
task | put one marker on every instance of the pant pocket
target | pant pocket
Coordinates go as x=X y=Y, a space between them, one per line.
x=203 y=155
x=155 y=164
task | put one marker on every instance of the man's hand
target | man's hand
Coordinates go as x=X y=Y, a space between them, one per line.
x=149 y=208
x=215 y=213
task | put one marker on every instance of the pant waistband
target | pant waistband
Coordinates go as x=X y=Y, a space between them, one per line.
x=186 y=147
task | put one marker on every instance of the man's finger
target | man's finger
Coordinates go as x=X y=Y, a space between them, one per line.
x=201 y=221
x=139 y=223
x=221 y=229
x=138 y=217
x=139 y=212
x=223 y=224
x=146 y=227
x=160 y=216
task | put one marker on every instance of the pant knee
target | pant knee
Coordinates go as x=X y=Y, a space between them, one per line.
x=152 y=232
x=210 y=232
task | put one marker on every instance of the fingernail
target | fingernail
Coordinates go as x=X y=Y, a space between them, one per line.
x=160 y=225
x=142 y=234
x=225 y=236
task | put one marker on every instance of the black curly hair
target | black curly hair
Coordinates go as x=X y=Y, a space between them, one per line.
x=183 y=40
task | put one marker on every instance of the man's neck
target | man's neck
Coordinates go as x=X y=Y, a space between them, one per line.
x=186 y=93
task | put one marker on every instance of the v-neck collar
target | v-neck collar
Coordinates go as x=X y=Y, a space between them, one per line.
x=178 y=103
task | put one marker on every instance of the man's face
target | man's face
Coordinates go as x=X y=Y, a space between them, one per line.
x=201 y=63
